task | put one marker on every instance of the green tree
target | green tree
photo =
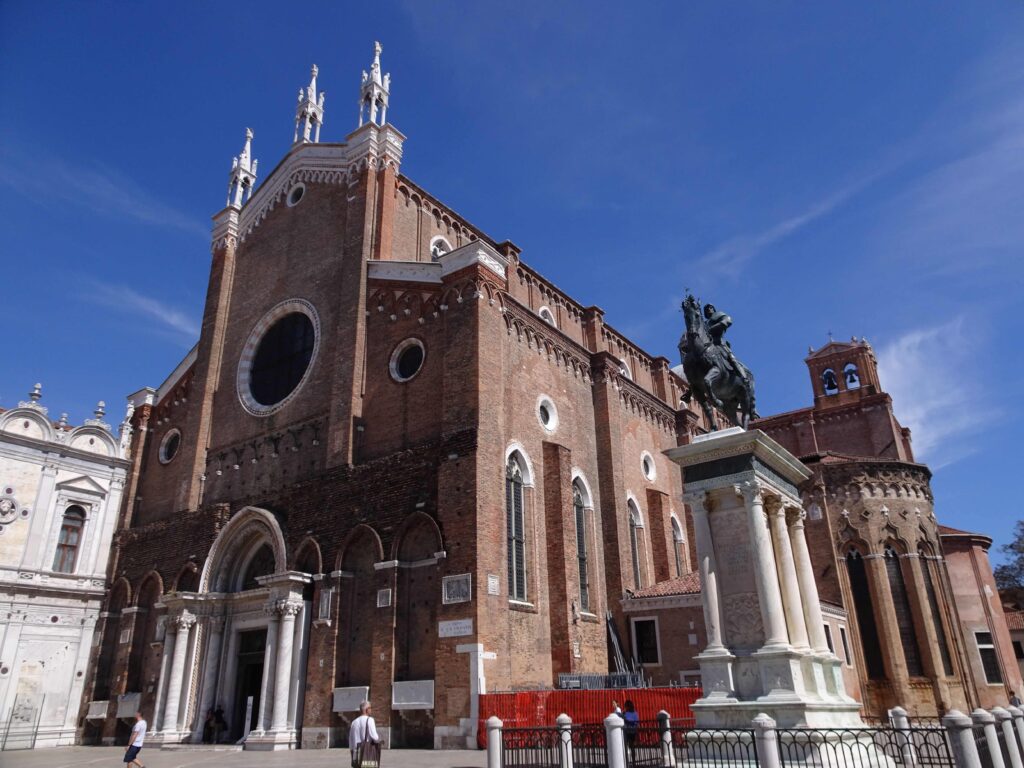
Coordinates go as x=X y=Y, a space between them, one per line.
x=1010 y=575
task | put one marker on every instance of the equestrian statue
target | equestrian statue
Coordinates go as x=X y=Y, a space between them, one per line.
x=717 y=379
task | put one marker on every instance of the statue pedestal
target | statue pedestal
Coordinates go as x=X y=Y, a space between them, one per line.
x=767 y=650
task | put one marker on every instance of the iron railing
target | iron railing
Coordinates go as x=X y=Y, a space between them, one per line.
x=531 y=747
x=589 y=746
x=712 y=748
x=860 y=747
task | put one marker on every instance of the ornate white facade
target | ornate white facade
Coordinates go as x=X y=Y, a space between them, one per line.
x=60 y=493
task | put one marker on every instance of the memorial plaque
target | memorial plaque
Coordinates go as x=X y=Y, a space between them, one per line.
x=455 y=628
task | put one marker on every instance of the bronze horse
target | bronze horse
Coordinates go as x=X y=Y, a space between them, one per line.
x=716 y=378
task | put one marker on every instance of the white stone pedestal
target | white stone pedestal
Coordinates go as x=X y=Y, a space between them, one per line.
x=767 y=650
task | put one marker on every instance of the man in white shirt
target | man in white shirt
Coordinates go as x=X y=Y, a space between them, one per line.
x=363 y=729
x=131 y=755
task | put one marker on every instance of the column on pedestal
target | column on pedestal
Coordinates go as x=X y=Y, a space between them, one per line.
x=813 y=619
x=288 y=609
x=209 y=689
x=791 y=597
x=765 y=573
x=182 y=625
x=700 y=506
x=267 y=685
x=161 y=685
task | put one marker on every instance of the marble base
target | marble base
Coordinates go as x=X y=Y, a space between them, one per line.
x=269 y=741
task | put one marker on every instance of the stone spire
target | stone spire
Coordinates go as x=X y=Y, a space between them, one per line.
x=243 y=174
x=310 y=110
x=373 y=94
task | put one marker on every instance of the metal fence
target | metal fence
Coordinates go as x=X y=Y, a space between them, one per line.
x=714 y=748
x=589 y=745
x=591 y=682
x=531 y=748
x=862 y=747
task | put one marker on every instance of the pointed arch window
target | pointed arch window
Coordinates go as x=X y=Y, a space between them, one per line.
x=865 y=611
x=516 y=528
x=635 y=526
x=581 y=545
x=904 y=616
x=928 y=564
x=677 y=544
x=70 y=540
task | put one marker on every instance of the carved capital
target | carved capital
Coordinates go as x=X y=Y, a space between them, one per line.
x=182 y=622
x=773 y=505
x=795 y=516
x=751 y=491
x=698 y=501
x=288 y=607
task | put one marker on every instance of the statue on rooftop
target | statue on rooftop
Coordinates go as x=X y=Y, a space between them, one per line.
x=716 y=378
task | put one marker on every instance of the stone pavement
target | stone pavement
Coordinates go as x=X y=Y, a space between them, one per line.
x=98 y=757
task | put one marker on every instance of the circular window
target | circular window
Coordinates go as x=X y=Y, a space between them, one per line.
x=547 y=414
x=407 y=359
x=647 y=465
x=169 y=446
x=295 y=195
x=278 y=357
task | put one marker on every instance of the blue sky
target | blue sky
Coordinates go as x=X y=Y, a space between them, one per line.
x=847 y=167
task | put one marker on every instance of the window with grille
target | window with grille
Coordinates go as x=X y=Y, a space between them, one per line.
x=904 y=615
x=989 y=658
x=933 y=605
x=581 y=546
x=69 y=540
x=865 y=611
x=514 y=519
x=634 y=543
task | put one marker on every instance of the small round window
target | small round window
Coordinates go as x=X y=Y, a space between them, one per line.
x=295 y=195
x=407 y=359
x=278 y=357
x=647 y=465
x=547 y=414
x=169 y=446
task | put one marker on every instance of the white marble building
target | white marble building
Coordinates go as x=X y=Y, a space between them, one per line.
x=60 y=494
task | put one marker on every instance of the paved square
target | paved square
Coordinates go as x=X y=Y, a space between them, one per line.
x=72 y=757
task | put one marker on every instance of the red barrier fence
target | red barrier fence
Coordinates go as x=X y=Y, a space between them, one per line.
x=530 y=709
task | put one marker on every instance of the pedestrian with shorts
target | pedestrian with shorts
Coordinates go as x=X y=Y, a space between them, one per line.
x=131 y=755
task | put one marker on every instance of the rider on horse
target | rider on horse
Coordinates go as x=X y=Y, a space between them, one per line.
x=718 y=323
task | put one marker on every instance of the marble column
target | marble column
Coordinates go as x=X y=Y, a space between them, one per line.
x=288 y=609
x=813 y=619
x=700 y=504
x=183 y=625
x=267 y=684
x=787 y=573
x=213 y=644
x=765 y=573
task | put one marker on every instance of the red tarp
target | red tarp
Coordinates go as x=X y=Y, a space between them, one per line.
x=531 y=709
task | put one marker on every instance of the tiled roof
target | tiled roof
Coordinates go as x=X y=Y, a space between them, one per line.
x=687 y=584
x=1015 y=619
x=945 y=530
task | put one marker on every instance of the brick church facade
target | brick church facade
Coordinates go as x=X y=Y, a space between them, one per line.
x=401 y=464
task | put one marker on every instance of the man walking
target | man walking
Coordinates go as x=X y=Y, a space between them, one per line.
x=363 y=730
x=131 y=755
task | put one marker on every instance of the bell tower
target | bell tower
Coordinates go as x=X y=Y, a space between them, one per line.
x=843 y=372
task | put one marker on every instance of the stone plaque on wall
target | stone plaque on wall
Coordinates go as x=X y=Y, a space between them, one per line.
x=457 y=589
x=455 y=628
x=349 y=699
x=128 y=704
x=412 y=694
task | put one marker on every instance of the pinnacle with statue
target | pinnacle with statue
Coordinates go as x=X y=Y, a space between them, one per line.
x=717 y=379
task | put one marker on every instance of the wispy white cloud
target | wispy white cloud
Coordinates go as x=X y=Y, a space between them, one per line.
x=931 y=374
x=732 y=255
x=97 y=188
x=167 y=318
